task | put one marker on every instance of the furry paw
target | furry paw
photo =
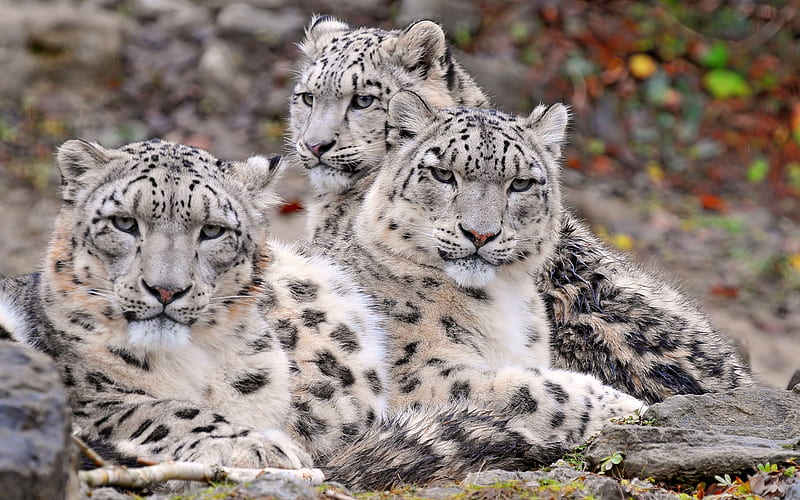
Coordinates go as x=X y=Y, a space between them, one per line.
x=617 y=404
x=269 y=449
x=286 y=451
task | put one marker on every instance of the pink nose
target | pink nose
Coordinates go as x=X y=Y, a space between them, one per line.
x=478 y=239
x=165 y=295
x=320 y=148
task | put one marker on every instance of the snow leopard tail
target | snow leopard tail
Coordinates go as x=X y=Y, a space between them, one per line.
x=432 y=443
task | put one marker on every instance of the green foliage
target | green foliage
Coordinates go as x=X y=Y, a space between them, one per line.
x=608 y=463
x=576 y=458
x=724 y=480
x=793 y=173
x=767 y=467
x=725 y=83
x=716 y=57
x=757 y=171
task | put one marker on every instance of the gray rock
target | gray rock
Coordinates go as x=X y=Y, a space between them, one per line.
x=439 y=492
x=760 y=412
x=273 y=27
x=45 y=45
x=79 y=43
x=221 y=75
x=174 y=16
x=591 y=484
x=454 y=15
x=276 y=488
x=501 y=77
x=37 y=459
x=105 y=494
x=698 y=437
x=793 y=493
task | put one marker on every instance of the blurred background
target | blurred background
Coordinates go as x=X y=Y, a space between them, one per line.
x=685 y=143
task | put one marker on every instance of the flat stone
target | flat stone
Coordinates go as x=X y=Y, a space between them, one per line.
x=749 y=411
x=589 y=484
x=36 y=459
x=277 y=488
x=698 y=437
x=793 y=493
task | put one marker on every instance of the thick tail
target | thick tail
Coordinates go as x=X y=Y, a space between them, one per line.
x=447 y=442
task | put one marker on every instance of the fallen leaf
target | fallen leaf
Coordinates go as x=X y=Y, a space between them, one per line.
x=602 y=165
x=729 y=292
x=642 y=66
x=796 y=122
x=757 y=171
x=623 y=242
x=715 y=56
x=794 y=262
x=725 y=83
x=712 y=202
x=655 y=172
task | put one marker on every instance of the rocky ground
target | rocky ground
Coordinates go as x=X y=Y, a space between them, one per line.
x=739 y=444
x=685 y=146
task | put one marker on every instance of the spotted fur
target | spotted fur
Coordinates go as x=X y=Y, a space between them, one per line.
x=451 y=231
x=181 y=333
x=629 y=327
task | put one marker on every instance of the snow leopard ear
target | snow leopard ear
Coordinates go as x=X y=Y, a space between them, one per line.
x=422 y=49
x=258 y=175
x=76 y=157
x=549 y=126
x=319 y=28
x=81 y=163
x=408 y=115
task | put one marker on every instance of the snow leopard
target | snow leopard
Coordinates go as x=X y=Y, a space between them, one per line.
x=610 y=317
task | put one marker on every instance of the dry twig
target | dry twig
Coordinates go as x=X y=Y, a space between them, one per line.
x=89 y=452
x=187 y=471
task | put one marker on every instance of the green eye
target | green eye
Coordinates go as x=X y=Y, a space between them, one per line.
x=211 y=231
x=519 y=185
x=125 y=224
x=362 y=101
x=443 y=175
x=307 y=98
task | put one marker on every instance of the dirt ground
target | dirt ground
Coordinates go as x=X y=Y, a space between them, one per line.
x=695 y=180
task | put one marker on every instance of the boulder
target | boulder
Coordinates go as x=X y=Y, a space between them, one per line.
x=45 y=45
x=695 y=438
x=37 y=459
x=454 y=15
x=273 y=27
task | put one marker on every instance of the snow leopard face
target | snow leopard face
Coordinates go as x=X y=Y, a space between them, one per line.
x=160 y=235
x=473 y=192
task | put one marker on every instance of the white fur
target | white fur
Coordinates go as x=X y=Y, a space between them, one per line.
x=470 y=273
x=520 y=310
x=158 y=333
x=328 y=180
x=13 y=321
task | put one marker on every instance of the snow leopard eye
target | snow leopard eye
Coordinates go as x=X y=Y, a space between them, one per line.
x=520 y=185
x=126 y=224
x=443 y=175
x=211 y=231
x=362 y=101
x=307 y=98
